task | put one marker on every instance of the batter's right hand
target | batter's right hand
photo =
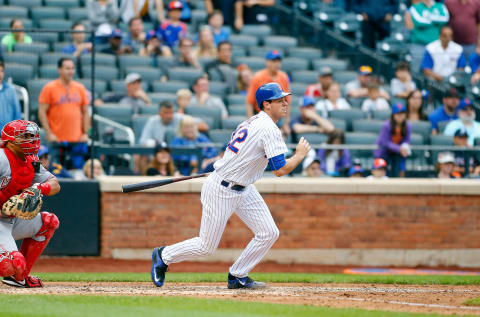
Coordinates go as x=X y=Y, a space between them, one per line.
x=303 y=147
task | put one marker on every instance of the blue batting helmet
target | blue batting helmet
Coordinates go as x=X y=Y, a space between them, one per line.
x=270 y=91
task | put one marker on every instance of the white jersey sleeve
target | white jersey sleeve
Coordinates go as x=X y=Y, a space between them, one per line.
x=42 y=175
x=273 y=142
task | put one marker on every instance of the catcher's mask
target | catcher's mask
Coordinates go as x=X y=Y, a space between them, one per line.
x=23 y=133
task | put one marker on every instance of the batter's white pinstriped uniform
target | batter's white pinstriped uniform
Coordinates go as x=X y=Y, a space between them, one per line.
x=254 y=142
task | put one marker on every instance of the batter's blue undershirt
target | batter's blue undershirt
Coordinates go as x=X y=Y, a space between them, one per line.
x=277 y=162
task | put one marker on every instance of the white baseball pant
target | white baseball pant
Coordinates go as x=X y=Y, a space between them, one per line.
x=219 y=203
x=12 y=229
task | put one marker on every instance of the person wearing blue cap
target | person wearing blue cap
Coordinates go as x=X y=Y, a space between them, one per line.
x=466 y=121
x=309 y=121
x=115 y=42
x=356 y=171
x=394 y=141
x=358 y=88
x=55 y=168
x=154 y=46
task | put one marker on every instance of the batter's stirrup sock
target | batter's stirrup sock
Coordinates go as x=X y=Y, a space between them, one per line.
x=32 y=249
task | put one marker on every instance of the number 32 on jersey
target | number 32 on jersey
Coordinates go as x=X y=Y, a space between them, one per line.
x=241 y=136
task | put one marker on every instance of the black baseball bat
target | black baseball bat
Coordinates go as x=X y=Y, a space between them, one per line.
x=159 y=182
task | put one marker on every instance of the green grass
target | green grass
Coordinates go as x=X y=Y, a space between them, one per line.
x=268 y=277
x=473 y=302
x=123 y=306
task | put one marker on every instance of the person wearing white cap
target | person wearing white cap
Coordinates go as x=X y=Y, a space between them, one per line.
x=446 y=165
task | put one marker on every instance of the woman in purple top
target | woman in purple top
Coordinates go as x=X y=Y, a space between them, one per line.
x=394 y=141
x=334 y=162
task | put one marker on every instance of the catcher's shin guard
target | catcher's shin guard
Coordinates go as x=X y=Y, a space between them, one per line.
x=12 y=264
x=32 y=249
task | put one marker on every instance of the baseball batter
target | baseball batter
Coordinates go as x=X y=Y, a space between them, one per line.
x=21 y=173
x=255 y=143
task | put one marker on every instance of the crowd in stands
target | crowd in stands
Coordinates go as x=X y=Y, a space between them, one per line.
x=437 y=47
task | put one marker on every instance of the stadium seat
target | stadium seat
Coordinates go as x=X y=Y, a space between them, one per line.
x=20 y=73
x=77 y=14
x=290 y=64
x=118 y=86
x=237 y=110
x=52 y=58
x=347 y=115
x=32 y=48
x=149 y=110
x=22 y=58
x=298 y=88
x=314 y=138
x=416 y=139
x=198 y=111
x=280 y=41
x=41 y=13
x=220 y=136
x=100 y=85
x=243 y=40
x=218 y=88
x=356 y=102
x=338 y=123
x=360 y=138
x=236 y=99
x=45 y=37
x=130 y=60
x=106 y=73
x=261 y=51
x=199 y=17
x=441 y=140
x=343 y=77
x=239 y=51
x=329 y=14
x=442 y=125
x=5 y=23
x=371 y=126
x=305 y=76
x=116 y=112
x=257 y=30
x=34 y=87
x=334 y=64
x=100 y=59
x=232 y=122
x=149 y=74
x=55 y=24
x=254 y=63
x=305 y=52
x=62 y=3
x=138 y=123
x=170 y=86
x=58 y=46
x=14 y=12
x=48 y=71
x=424 y=128
x=158 y=97
x=381 y=114
x=188 y=74
x=28 y=3
x=164 y=62
x=205 y=60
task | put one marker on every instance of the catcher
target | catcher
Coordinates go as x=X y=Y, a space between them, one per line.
x=23 y=182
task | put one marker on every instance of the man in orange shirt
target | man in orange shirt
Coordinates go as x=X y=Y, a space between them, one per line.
x=271 y=73
x=63 y=107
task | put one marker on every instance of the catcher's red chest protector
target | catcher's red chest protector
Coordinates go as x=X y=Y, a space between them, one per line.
x=21 y=178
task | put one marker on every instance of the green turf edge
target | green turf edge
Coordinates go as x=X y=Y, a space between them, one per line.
x=472 y=302
x=125 y=306
x=267 y=277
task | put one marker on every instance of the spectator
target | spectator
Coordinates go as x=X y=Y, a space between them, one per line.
x=78 y=46
x=172 y=30
x=394 y=141
x=335 y=162
x=379 y=169
x=402 y=85
x=415 y=107
x=356 y=171
x=358 y=88
x=464 y=21
x=156 y=126
x=447 y=112
x=309 y=121
x=184 y=96
x=202 y=97
x=325 y=78
x=424 y=19
x=103 y=16
x=244 y=78
x=446 y=166
x=9 y=104
x=474 y=62
x=97 y=169
x=377 y=15
x=311 y=167
x=252 y=12
x=227 y=7
x=333 y=100
x=271 y=73
x=205 y=45
x=186 y=58
x=466 y=162
x=54 y=168
x=63 y=111
x=374 y=101
x=466 y=121
x=134 y=97
x=207 y=165
x=135 y=37
x=220 y=32
x=162 y=162
x=222 y=68
x=116 y=47
x=443 y=57
x=146 y=10
x=189 y=135
x=154 y=47
x=13 y=38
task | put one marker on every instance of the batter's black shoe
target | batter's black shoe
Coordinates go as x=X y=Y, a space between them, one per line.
x=158 y=267
x=244 y=282
x=29 y=282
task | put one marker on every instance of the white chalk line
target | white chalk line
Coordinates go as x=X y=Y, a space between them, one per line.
x=408 y=303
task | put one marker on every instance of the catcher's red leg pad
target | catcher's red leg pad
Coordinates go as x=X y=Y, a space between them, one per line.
x=32 y=249
x=12 y=264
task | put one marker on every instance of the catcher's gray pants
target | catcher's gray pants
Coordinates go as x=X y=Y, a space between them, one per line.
x=12 y=229
x=219 y=203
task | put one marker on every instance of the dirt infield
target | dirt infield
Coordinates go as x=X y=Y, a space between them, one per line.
x=424 y=299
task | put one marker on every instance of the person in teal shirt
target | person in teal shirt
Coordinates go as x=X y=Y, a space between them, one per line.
x=16 y=37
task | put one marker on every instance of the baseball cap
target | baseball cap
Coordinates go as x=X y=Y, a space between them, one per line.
x=270 y=91
x=446 y=157
x=273 y=55
x=309 y=160
x=451 y=93
x=132 y=77
x=461 y=133
x=325 y=71
x=162 y=146
x=151 y=34
x=398 y=107
x=464 y=103
x=379 y=163
x=175 y=5
x=116 y=33
x=364 y=70
x=307 y=101
x=355 y=170
x=42 y=151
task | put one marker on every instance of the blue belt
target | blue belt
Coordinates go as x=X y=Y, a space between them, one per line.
x=234 y=187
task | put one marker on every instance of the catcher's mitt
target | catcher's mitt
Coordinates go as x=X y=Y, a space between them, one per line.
x=25 y=205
